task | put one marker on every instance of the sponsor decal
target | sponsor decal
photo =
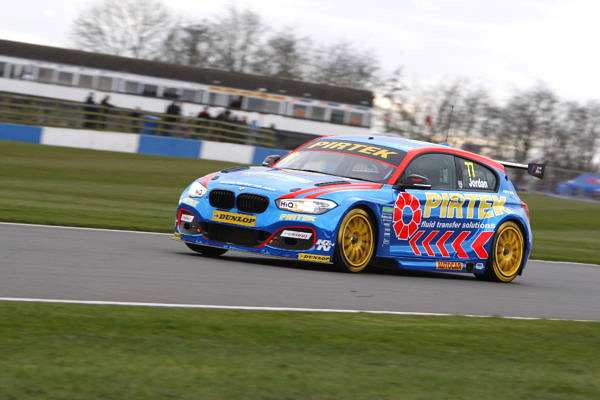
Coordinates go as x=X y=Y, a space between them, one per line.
x=313 y=257
x=189 y=202
x=449 y=265
x=233 y=218
x=297 y=217
x=407 y=215
x=479 y=266
x=187 y=217
x=177 y=236
x=387 y=209
x=434 y=243
x=246 y=93
x=381 y=153
x=478 y=183
x=296 y=235
x=324 y=245
x=450 y=205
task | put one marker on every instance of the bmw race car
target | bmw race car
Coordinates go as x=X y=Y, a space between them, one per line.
x=349 y=200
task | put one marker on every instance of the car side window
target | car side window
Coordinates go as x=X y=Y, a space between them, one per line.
x=476 y=176
x=437 y=167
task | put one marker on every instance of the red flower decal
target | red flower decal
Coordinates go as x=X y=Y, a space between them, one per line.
x=406 y=205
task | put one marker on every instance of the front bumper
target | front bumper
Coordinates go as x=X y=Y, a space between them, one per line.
x=273 y=233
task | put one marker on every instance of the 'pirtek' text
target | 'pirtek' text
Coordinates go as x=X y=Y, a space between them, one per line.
x=451 y=205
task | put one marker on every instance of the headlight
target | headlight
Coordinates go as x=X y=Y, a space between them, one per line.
x=306 y=206
x=197 y=190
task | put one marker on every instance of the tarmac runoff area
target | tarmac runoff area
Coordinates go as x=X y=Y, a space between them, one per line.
x=95 y=266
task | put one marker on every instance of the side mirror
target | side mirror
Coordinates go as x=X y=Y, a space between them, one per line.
x=413 y=181
x=270 y=160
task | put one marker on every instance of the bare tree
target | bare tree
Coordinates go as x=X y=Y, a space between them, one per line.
x=130 y=28
x=529 y=118
x=284 y=55
x=190 y=44
x=236 y=37
x=341 y=64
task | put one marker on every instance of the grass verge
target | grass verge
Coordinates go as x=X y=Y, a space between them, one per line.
x=564 y=230
x=63 y=186
x=52 y=351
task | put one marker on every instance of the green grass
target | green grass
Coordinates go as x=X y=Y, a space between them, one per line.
x=564 y=230
x=100 y=352
x=62 y=186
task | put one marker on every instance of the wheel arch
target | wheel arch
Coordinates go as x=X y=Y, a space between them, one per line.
x=373 y=215
x=526 y=239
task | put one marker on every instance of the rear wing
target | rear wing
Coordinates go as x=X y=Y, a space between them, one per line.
x=536 y=170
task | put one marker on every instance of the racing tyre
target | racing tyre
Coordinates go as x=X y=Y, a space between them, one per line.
x=355 y=244
x=206 y=250
x=506 y=254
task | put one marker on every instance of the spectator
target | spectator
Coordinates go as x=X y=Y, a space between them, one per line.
x=174 y=111
x=225 y=116
x=253 y=131
x=204 y=113
x=90 y=111
x=135 y=123
x=203 y=119
x=105 y=110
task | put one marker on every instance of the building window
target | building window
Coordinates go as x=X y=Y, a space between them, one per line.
x=356 y=118
x=105 y=83
x=86 y=81
x=45 y=75
x=170 y=93
x=150 y=90
x=2 y=67
x=337 y=116
x=217 y=99
x=271 y=107
x=318 y=113
x=255 y=104
x=299 y=111
x=131 y=87
x=65 y=78
x=188 y=95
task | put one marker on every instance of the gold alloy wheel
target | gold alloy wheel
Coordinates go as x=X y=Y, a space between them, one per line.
x=356 y=242
x=508 y=252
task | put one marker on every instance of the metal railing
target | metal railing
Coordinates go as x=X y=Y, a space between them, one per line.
x=42 y=111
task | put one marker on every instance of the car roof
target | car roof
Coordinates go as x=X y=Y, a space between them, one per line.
x=409 y=145
x=389 y=141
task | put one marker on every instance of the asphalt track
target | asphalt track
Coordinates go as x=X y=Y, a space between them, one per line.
x=79 y=264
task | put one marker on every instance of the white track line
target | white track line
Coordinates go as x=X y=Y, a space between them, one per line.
x=85 y=229
x=252 y=308
x=170 y=234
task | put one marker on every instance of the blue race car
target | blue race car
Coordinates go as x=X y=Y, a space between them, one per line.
x=348 y=200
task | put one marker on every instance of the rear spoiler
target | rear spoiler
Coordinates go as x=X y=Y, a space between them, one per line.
x=536 y=170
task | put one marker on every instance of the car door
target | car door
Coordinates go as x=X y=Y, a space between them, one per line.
x=481 y=204
x=423 y=218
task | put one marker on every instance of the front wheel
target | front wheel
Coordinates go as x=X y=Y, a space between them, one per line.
x=206 y=250
x=508 y=249
x=355 y=241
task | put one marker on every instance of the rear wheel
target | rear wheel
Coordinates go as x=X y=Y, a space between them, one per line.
x=206 y=250
x=355 y=241
x=507 y=252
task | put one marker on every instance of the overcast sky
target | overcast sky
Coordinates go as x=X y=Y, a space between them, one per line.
x=503 y=45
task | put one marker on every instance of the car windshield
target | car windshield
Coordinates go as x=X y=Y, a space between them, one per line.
x=339 y=164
